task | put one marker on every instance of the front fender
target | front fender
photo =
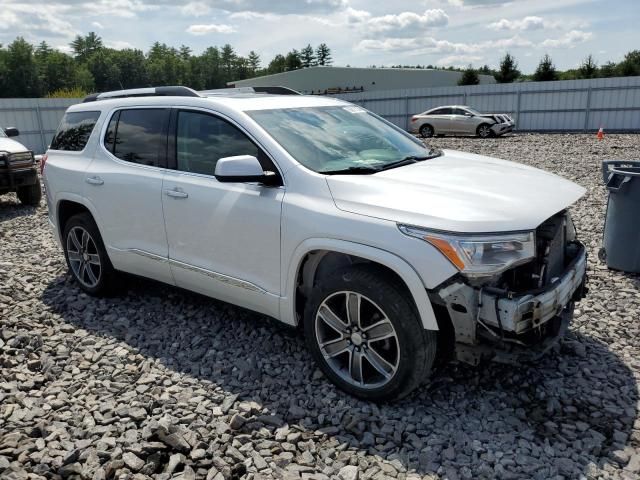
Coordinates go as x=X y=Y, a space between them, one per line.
x=389 y=260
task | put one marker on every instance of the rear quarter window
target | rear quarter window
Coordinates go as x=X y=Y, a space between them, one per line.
x=74 y=131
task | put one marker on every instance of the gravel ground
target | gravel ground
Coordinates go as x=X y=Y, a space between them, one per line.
x=162 y=383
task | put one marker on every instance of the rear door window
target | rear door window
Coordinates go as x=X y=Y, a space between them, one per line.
x=441 y=111
x=138 y=135
x=74 y=131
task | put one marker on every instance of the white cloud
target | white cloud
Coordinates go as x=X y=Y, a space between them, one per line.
x=118 y=44
x=195 y=9
x=568 y=40
x=417 y=45
x=117 y=8
x=36 y=20
x=459 y=60
x=97 y=25
x=356 y=16
x=527 y=23
x=282 y=6
x=408 y=22
x=210 y=28
x=249 y=16
x=429 y=45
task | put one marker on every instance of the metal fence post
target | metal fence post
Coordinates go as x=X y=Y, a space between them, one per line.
x=587 y=110
x=41 y=128
x=406 y=113
x=518 y=109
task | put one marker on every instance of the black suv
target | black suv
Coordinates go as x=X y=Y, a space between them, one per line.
x=18 y=172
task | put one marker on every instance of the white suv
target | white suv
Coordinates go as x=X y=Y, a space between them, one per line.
x=320 y=214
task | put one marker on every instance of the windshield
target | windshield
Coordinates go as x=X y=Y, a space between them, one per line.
x=339 y=139
x=2 y=134
x=472 y=111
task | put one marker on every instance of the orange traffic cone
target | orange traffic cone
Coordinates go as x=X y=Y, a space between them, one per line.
x=600 y=135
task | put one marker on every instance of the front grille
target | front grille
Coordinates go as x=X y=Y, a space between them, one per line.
x=20 y=159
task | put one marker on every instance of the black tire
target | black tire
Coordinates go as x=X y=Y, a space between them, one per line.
x=107 y=277
x=30 y=194
x=426 y=131
x=484 y=130
x=417 y=346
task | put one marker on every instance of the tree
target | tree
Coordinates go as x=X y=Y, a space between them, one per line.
x=508 y=72
x=105 y=72
x=254 y=62
x=228 y=56
x=469 y=77
x=609 y=69
x=22 y=78
x=83 y=47
x=277 y=65
x=588 y=68
x=323 y=55
x=131 y=64
x=292 y=60
x=630 y=66
x=546 y=70
x=307 y=56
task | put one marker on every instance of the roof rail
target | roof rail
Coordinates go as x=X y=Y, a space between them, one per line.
x=177 y=91
x=243 y=90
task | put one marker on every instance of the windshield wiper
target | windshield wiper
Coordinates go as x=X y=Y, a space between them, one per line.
x=352 y=171
x=409 y=159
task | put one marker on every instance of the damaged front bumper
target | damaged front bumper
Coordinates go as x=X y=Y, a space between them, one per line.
x=493 y=323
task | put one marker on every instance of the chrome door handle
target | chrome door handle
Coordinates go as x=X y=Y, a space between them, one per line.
x=175 y=193
x=94 y=180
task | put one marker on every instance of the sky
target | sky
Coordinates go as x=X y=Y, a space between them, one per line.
x=359 y=32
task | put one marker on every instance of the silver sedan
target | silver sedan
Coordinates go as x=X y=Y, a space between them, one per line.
x=460 y=120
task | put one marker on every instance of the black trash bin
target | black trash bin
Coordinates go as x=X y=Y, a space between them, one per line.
x=621 y=250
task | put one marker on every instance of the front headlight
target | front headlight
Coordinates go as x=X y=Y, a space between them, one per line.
x=479 y=255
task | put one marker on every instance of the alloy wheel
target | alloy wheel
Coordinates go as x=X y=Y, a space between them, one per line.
x=484 y=131
x=357 y=340
x=83 y=257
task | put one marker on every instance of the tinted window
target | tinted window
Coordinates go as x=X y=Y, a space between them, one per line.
x=203 y=139
x=74 y=131
x=139 y=136
x=111 y=132
x=460 y=111
x=441 y=111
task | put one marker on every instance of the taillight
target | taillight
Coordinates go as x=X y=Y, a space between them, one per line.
x=43 y=160
x=413 y=119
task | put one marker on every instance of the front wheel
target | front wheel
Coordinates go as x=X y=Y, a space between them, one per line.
x=30 y=194
x=366 y=336
x=484 y=131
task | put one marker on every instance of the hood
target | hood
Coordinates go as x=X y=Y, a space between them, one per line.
x=11 y=146
x=457 y=192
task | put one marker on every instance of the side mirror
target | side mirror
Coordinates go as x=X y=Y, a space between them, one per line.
x=11 y=132
x=243 y=169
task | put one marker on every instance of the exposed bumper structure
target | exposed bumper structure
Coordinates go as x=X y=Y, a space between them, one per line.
x=502 y=128
x=490 y=322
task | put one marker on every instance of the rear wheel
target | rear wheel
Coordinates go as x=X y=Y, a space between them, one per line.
x=87 y=257
x=30 y=194
x=426 y=131
x=366 y=336
x=484 y=130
